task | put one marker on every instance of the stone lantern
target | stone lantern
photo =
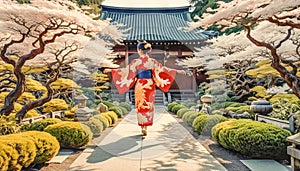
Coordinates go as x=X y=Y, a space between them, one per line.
x=81 y=99
x=206 y=100
x=83 y=113
x=261 y=106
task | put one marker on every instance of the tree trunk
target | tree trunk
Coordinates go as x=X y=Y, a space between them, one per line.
x=292 y=80
x=12 y=97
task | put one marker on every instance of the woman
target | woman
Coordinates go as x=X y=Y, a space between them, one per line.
x=145 y=73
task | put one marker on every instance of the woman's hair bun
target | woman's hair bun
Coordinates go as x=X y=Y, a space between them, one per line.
x=143 y=45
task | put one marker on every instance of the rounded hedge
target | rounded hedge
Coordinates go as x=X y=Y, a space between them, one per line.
x=204 y=123
x=42 y=124
x=252 y=138
x=127 y=106
x=124 y=110
x=21 y=151
x=189 y=117
x=105 y=115
x=103 y=119
x=113 y=116
x=95 y=125
x=70 y=134
x=170 y=105
x=107 y=103
x=47 y=146
x=182 y=111
x=175 y=108
x=117 y=110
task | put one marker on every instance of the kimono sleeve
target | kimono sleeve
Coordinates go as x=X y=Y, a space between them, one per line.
x=124 y=78
x=163 y=76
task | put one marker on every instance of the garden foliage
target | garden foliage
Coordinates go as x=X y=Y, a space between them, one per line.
x=252 y=139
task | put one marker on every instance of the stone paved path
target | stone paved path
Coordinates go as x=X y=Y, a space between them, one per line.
x=168 y=147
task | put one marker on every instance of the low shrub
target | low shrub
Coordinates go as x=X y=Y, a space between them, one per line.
x=204 y=123
x=182 y=111
x=189 y=117
x=218 y=112
x=117 y=110
x=240 y=109
x=107 y=103
x=170 y=105
x=124 y=110
x=190 y=104
x=175 y=108
x=105 y=115
x=42 y=124
x=112 y=115
x=252 y=138
x=103 y=119
x=235 y=104
x=70 y=134
x=95 y=125
x=126 y=105
x=47 y=146
x=20 y=151
x=9 y=127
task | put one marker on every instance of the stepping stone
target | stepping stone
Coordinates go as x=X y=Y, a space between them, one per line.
x=264 y=165
x=61 y=156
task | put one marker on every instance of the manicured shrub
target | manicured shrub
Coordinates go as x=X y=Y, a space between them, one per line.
x=47 y=146
x=20 y=151
x=170 y=105
x=189 y=117
x=103 y=119
x=112 y=115
x=95 y=125
x=42 y=124
x=108 y=118
x=107 y=103
x=218 y=112
x=190 y=104
x=127 y=106
x=252 y=138
x=235 y=104
x=175 y=108
x=124 y=110
x=240 y=109
x=9 y=127
x=204 y=123
x=117 y=110
x=182 y=111
x=70 y=134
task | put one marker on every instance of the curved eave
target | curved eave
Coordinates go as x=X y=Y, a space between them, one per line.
x=154 y=24
x=144 y=10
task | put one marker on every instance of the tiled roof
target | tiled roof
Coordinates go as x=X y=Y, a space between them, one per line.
x=154 y=24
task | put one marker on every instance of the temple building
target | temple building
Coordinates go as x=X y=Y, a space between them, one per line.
x=162 y=24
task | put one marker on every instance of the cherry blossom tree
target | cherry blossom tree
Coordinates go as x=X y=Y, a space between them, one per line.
x=45 y=33
x=272 y=25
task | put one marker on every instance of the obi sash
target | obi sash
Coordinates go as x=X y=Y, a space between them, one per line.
x=144 y=74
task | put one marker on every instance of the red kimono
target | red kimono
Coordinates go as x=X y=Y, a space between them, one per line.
x=144 y=91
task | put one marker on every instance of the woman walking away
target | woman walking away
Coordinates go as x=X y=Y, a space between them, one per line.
x=146 y=74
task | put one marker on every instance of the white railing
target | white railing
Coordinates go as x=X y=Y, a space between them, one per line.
x=56 y=114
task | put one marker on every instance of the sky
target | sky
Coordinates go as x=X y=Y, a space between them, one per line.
x=146 y=4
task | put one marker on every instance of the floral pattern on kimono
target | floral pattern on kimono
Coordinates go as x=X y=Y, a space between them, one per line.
x=144 y=91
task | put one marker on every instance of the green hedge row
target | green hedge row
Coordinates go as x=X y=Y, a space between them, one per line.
x=18 y=151
x=70 y=134
x=204 y=123
x=252 y=138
